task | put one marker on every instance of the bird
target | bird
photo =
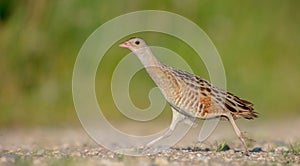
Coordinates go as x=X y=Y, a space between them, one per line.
x=190 y=96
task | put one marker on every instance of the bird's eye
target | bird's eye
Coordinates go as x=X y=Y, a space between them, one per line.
x=137 y=42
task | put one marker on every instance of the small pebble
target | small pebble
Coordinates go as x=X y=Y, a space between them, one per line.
x=256 y=149
x=196 y=149
x=175 y=148
x=202 y=158
x=206 y=149
x=281 y=148
x=40 y=152
x=236 y=150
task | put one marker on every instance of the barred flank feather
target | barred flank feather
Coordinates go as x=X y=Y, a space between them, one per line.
x=240 y=107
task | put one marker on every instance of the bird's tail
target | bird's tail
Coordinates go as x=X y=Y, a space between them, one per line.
x=240 y=107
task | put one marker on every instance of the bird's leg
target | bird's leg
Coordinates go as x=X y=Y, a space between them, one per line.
x=165 y=135
x=238 y=131
x=177 y=118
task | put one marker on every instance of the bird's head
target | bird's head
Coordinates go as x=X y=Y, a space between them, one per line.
x=134 y=44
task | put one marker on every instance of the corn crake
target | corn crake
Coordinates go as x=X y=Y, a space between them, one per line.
x=189 y=95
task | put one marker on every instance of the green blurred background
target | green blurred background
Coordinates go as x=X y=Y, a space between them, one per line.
x=258 y=41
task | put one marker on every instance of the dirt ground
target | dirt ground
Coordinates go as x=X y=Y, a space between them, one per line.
x=277 y=143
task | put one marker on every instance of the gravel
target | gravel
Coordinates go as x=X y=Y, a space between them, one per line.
x=51 y=147
x=90 y=155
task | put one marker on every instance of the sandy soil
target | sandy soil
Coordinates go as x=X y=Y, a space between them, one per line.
x=277 y=143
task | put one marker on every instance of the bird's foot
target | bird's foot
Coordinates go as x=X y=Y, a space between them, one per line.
x=249 y=140
x=147 y=150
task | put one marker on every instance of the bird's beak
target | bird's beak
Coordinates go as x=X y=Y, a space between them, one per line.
x=125 y=44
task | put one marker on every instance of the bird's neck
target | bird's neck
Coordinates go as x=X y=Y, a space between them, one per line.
x=147 y=58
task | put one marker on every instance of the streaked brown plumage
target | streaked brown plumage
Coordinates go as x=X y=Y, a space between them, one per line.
x=198 y=97
x=189 y=95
